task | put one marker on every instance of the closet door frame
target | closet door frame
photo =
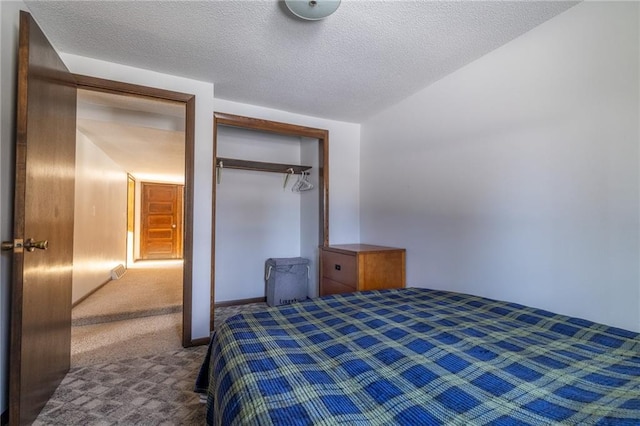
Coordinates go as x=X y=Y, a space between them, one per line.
x=267 y=126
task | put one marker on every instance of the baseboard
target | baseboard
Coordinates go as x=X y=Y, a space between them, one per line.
x=123 y=316
x=240 y=302
x=77 y=302
x=200 y=342
x=4 y=420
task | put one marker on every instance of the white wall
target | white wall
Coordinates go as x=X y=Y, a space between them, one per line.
x=344 y=187
x=516 y=177
x=343 y=170
x=9 y=21
x=344 y=164
x=202 y=166
x=100 y=223
x=256 y=218
x=309 y=208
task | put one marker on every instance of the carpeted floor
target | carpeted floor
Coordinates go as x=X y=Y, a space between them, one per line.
x=111 y=341
x=137 y=315
x=154 y=389
x=127 y=363
x=151 y=390
x=146 y=289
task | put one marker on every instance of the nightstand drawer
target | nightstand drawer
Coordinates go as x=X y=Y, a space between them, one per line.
x=334 y=287
x=340 y=267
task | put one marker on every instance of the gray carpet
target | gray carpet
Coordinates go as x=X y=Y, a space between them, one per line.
x=150 y=390
x=155 y=389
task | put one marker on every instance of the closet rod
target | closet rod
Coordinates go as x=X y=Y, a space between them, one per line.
x=234 y=163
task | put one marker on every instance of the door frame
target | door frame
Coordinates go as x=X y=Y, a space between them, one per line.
x=131 y=217
x=276 y=127
x=189 y=100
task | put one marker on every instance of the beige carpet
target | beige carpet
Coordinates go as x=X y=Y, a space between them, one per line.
x=147 y=288
x=112 y=341
x=137 y=315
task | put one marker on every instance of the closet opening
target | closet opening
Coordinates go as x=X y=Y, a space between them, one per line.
x=270 y=200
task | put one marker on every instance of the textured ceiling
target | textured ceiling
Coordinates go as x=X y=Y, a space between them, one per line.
x=365 y=57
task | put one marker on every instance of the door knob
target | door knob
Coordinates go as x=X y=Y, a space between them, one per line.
x=29 y=245
x=173 y=226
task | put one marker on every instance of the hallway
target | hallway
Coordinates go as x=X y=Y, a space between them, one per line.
x=139 y=314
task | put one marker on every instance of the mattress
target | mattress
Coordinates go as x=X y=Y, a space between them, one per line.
x=419 y=357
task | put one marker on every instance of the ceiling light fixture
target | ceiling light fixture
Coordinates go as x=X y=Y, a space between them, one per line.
x=312 y=10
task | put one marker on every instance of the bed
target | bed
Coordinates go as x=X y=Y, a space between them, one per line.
x=419 y=357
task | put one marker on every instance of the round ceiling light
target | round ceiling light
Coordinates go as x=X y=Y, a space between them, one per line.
x=312 y=10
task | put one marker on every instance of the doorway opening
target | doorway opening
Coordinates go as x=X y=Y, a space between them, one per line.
x=130 y=137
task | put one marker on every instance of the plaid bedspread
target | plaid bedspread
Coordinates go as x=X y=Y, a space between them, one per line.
x=420 y=357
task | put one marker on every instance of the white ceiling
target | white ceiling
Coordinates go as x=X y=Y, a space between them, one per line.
x=363 y=58
x=144 y=136
x=161 y=109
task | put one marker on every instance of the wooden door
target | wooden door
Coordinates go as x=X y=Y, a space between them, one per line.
x=40 y=341
x=161 y=221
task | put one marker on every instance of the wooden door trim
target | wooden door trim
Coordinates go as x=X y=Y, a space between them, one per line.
x=180 y=221
x=127 y=89
x=15 y=328
x=131 y=216
x=117 y=87
x=249 y=123
x=239 y=121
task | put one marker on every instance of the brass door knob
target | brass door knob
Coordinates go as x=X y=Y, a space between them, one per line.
x=31 y=245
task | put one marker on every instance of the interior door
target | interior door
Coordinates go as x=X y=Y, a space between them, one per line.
x=161 y=221
x=43 y=212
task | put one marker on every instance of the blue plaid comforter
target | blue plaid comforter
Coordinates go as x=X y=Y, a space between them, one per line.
x=420 y=357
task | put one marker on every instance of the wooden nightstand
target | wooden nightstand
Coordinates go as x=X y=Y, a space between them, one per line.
x=347 y=268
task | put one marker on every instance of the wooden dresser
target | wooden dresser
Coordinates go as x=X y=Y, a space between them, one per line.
x=356 y=267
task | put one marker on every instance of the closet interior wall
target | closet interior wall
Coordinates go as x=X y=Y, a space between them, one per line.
x=256 y=218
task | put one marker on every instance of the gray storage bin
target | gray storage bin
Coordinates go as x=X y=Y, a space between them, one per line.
x=287 y=280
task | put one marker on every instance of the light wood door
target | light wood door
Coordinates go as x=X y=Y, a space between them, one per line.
x=161 y=221
x=40 y=341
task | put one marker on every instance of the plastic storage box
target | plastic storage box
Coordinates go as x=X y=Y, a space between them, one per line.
x=287 y=280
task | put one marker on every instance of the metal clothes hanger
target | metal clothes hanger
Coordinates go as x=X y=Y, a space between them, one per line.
x=286 y=177
x=303 y=183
